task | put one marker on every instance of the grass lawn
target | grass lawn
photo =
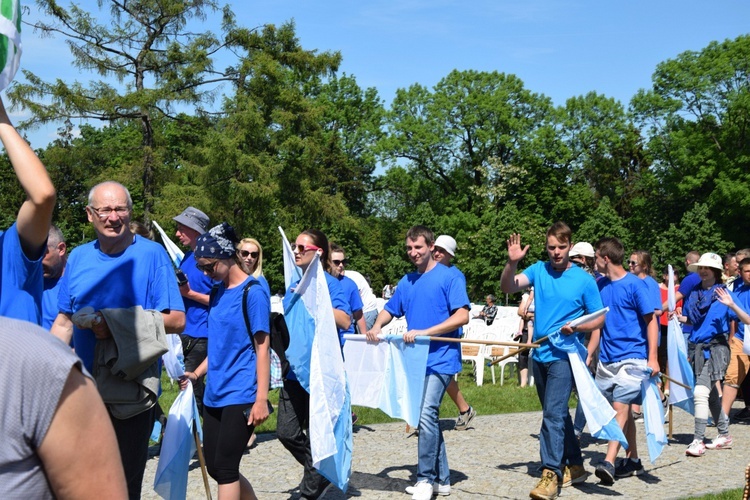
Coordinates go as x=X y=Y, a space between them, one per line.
x=487 y=400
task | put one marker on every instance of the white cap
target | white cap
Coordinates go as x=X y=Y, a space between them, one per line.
x=707 y=260
x=582 y=248
x=446 y=242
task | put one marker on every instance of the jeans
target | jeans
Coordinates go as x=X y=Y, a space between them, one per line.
x=432 y=463
x=558 y=445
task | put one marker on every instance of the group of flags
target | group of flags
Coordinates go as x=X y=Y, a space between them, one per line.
x=388 y=376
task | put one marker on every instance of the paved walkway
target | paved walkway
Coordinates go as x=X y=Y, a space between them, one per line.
x=497 y=458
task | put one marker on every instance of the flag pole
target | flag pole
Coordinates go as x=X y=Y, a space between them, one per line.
x=484 y=342
x=202 y=461
x=523 y=349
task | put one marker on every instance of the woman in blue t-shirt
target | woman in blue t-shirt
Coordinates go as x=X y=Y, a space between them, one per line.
x=294 y=400
x=236 y=397
x=708 y=350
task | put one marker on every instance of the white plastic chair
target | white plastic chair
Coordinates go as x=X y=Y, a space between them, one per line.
x=496 y=352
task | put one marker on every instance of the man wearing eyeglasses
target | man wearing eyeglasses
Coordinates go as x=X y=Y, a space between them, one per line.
x=195 y=288
x=338 y=263
x=108 y=277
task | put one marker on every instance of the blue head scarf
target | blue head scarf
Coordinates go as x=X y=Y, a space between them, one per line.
x=218 y=243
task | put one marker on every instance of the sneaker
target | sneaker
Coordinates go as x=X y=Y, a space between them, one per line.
x=637 y=416
x=573 y=474
x=628 y=467
x=546 y=489
x=605 y=471
x=464 y=419
x=420 y=491
x=723 y=442
x=437 y=489
x=696 y=449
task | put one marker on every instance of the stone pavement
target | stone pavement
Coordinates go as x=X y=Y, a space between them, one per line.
x=497 y=458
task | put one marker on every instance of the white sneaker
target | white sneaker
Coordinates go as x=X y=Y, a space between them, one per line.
x=421 y=491
x=437 y=489
x=723 y=442
x=696 y=449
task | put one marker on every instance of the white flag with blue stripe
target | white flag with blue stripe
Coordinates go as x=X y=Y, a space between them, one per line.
x=678 y=365
x=314 y=354
x=175 y=254
x=653 y=416
x=388 y=375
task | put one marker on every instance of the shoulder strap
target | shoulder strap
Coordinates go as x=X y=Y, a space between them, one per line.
x=245 y=292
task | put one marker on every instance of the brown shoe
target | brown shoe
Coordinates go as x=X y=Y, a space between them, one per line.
x=573 y=474
x=547 y=487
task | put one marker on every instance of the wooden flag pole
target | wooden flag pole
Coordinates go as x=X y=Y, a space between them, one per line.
x=483 y=342
x=510 y=355
x=202 y=461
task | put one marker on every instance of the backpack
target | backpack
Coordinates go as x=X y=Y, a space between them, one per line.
x=278 y=338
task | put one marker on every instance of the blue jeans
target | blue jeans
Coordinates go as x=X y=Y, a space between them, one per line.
x=558 y=445
x=432 y=465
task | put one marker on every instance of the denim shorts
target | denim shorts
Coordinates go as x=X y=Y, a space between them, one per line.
x=618 y=383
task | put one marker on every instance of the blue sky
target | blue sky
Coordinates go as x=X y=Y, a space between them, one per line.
x=558 y=48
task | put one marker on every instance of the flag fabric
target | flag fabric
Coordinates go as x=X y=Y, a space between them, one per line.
x=292 y=272
x=314 y=354
x=653 y=416
x=600 y=416
x=10 y=41
x=172 y=249
x=678 y=365
x=388 y=375
x=177 y=448
x=178 y=444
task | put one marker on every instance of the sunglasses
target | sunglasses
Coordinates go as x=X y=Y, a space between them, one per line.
x=246 y=253
x=632 y=263
x=303 y=248
x=337 y=262
x=206 y=268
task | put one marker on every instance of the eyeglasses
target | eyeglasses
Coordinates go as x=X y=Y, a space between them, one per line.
x=337 y=262
x=303 y=248
x=632 y=263
x=246 y=253
x=104 y=212
x=207 y=268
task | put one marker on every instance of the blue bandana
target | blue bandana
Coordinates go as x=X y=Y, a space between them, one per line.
x=218 y=243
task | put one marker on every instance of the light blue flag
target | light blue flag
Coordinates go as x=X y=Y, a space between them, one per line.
x=292 y=272
x=388 y=375
x=175 y=254
x=600 y=417
x=314 y=354
x=653 y=417
x=178 y=447
x=678 y=365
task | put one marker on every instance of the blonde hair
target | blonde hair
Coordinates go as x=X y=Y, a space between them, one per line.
x=258 y=270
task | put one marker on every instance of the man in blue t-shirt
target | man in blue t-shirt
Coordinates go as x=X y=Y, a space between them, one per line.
x=22 y=244
x=118 y=270
x=338 y=264
x=628 y=344
x=562 y=292
x=739 y=362
x=53 y=267
x=195 y=288
x=435 y=303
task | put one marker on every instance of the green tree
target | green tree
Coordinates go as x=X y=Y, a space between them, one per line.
x=150 y=63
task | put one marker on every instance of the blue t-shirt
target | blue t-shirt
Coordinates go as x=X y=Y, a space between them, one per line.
x=49 y=301
x=559 y=297
x=624 y=335
x=654 y=294
x=351 y=292
x=460 y=276
x=196 y=314
x=338 y=301
x=428 y=299
x=741 y=297
x=264 y=283
x=688 y=284
x=232 y=374
x=141 y=275
x=714 y=322
x=20 y=281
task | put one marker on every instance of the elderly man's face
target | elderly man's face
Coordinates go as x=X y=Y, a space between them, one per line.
x=109 y=212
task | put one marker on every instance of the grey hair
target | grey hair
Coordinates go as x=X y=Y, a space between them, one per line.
x=55 y=236
x=114 y=183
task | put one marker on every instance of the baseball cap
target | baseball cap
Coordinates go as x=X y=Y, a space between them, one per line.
x=583 y=249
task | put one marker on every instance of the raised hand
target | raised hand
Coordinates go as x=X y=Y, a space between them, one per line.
x=724 y=296
x=515 y=251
